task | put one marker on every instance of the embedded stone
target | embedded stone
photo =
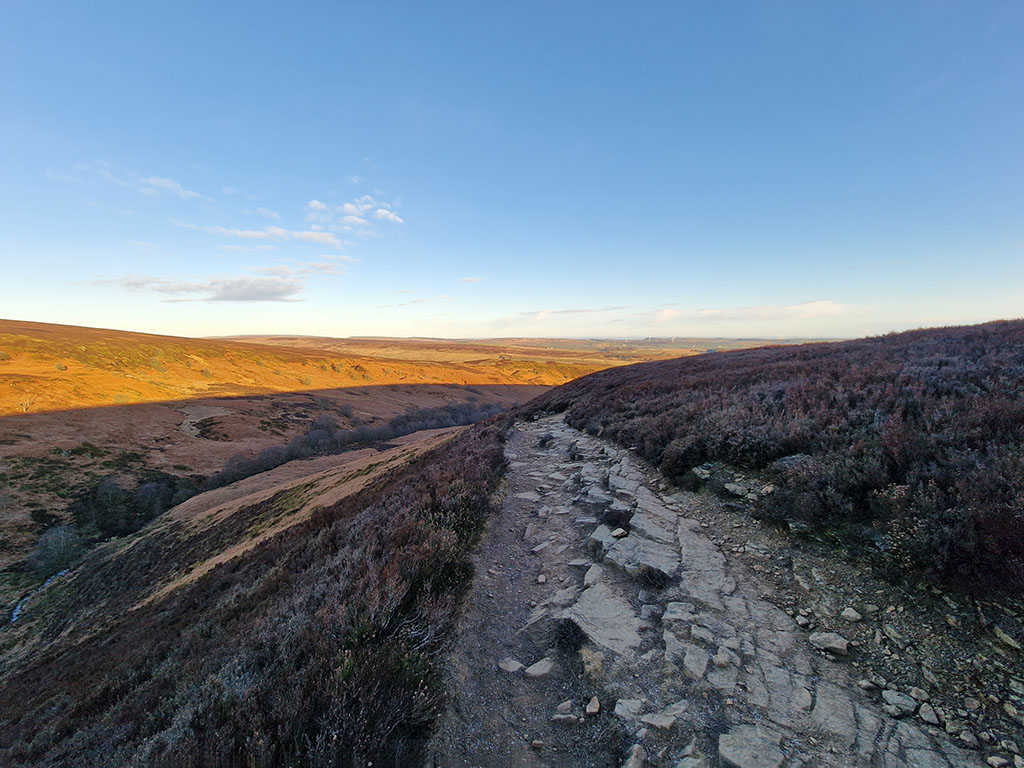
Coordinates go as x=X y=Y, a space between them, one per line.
x=747 y=746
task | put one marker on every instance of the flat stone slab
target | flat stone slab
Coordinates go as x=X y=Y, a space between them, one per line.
x=542 y=668
x=637 y=555
x=653 y=527
x=606 y=619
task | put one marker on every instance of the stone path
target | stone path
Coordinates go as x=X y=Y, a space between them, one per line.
x=592 y=582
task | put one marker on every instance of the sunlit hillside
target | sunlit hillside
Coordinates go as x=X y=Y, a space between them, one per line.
x=56 y=367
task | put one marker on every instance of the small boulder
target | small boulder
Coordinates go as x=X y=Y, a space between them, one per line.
x=510 y=665
x=636 y=757
x=736 y=489
x=593 y=706
x=542 y=668
x=928 y=714
x=830 y=642
x=850 y=614
x=628 y=709
x=659 y=720
x=592 y=575
x=898 y=704
x=565 y=707
x=564 y=719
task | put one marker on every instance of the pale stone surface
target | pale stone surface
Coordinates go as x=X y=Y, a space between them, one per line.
x=628 y=708
x=831 y=642
x=606 y=619
x=636 y=758
x=707 y=631
x=542 y=668
x=747 y=746
x=510 y=665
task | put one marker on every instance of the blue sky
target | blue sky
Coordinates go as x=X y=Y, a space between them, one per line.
x=498 y=169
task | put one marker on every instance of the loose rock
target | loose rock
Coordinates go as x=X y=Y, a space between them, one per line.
x=849 y=614
x=542 y=668
x=509 y=665
x=830 y=642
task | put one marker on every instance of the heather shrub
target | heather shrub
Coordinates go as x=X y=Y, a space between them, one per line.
x=322 y=646
x=910 y=441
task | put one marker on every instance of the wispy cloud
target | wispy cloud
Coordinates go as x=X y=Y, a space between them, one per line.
x=151 y=186
x=546 y=314
x=269 y=233
x=328 y=264
x=471 y=279
x=808 y=310
x=269 y=214
x=245 y=288
x=384 y=213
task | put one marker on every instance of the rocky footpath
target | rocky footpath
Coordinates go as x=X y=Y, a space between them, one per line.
x=608 y=627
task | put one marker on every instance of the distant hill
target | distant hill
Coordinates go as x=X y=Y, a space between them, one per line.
x=58 y=367
x=908 y=445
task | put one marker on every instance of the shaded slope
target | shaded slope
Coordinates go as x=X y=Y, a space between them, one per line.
x=316 y=645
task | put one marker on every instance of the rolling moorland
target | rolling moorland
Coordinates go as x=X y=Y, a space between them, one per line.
x=78 y=405
x=301 y=611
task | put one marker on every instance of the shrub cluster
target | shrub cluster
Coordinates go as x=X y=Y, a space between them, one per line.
x=110 y=510
x=912 y=441
x=326 y=437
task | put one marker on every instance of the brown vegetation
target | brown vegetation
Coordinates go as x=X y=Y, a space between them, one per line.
x=316 y=646
x=55 y=367
x=907 y=446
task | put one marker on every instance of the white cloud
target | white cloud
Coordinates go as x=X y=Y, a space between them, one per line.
x=272 y=233
x=384 y=213
x=471 y=279
x=245 y=288
x=357 y=216
x=269 y=214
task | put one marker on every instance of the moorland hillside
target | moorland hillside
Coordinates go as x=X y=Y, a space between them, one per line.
x=907 y=446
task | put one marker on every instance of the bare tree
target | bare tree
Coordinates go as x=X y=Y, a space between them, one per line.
x=28 y=399
x=56 y=549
